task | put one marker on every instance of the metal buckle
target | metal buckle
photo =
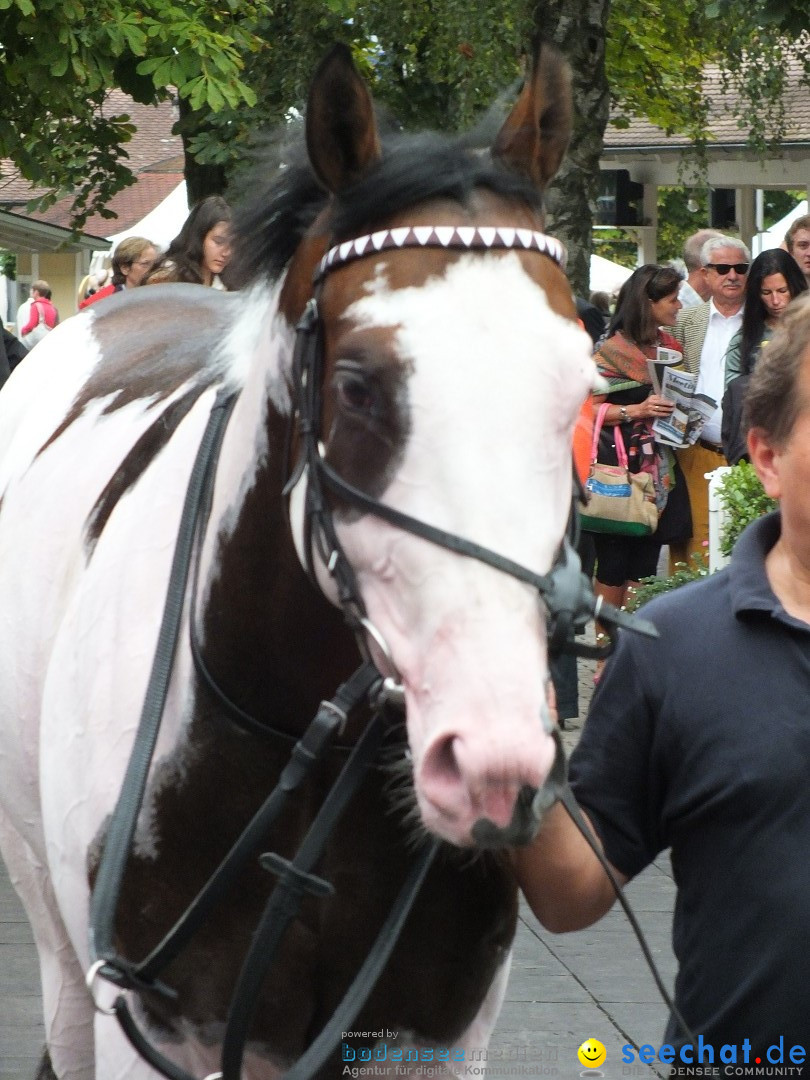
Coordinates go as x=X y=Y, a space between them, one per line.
x=336 y=710
x=90 y=980
x=390 y=692
x=382 y=645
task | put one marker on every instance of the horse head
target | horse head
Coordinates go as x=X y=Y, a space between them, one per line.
x=450 y=374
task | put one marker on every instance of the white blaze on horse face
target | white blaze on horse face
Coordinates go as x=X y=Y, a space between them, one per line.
x=497 y=381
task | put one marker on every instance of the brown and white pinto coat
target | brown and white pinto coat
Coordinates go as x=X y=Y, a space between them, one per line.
x=452 y=384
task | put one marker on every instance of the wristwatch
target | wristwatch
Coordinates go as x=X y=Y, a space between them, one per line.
x=624 y=414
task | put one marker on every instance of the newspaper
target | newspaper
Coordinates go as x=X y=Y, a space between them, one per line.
x=684 y=425
x=664 y=358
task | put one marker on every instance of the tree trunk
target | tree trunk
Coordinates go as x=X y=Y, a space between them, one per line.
x=201 y=180
x=578 y=31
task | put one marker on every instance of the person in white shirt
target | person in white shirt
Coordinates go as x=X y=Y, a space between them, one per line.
x=705 y=331
x=23 y=313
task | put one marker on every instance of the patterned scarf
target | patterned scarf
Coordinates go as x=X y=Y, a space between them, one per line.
x=622 y=364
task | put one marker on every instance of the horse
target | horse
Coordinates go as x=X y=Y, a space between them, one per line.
x=401 y=497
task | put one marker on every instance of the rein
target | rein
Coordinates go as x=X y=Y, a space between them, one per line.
x=565 y=590
x=295 y=877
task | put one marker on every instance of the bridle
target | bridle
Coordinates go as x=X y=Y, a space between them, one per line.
x=566 y=592
x=570 y=605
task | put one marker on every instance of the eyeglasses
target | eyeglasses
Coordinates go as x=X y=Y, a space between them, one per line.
x=724 y=268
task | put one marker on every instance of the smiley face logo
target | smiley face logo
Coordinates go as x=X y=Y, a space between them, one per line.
x=592 y=1054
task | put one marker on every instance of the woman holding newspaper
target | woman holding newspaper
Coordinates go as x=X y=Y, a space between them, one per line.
x=633 y=355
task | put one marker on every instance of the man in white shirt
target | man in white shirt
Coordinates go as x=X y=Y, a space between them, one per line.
x=705 y=331
x=23 y=313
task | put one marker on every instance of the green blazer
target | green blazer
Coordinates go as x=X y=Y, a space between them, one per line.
x=693 y=322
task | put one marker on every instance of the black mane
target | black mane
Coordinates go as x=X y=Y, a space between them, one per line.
x=413 y=169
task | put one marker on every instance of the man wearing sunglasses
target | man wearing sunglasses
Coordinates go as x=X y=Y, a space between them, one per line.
x=705 y=331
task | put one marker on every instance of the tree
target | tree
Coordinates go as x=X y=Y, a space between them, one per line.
x=437 y=63
x=240 y=66
x=58 y=59
x=581 y=38
x=434 y=63
x=657 y=54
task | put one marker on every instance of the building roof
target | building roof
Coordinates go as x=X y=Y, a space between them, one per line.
x=154 y=154
x=18 y=233
x=727 y=124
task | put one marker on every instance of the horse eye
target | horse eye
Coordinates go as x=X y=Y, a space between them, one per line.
x=354 y=391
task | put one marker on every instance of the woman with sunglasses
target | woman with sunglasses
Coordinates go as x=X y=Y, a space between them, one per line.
x=773 y=281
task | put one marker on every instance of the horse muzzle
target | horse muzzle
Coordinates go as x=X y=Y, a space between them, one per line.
x=531 y=806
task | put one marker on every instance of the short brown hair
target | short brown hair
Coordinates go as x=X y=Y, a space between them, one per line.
x=42 y=287
x=693 y=245
x=128 y=252
x=800 y=223
x=773 y=402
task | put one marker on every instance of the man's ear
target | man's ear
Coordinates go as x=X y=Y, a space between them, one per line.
x=765 y=458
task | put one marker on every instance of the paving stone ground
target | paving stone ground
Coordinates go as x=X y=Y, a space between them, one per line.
x=563 y=989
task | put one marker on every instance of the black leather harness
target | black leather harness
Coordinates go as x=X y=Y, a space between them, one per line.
x=570 y=605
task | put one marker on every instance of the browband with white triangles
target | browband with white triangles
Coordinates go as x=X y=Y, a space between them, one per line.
x=456 y=237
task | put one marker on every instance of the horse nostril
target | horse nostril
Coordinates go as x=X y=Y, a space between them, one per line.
x=441 y=772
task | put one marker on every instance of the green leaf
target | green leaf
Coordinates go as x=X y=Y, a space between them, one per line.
x=60 y=65
x=214 y=97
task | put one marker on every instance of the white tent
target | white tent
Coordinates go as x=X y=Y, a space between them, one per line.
x=607 y=276
x=4 y=291
x=160 y=225
x=774 y=236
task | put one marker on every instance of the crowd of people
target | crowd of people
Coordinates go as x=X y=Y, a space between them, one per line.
x=718 y=318
x=199 y=254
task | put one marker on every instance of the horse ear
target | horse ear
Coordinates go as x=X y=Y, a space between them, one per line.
x=342 y=137
x=536 y=133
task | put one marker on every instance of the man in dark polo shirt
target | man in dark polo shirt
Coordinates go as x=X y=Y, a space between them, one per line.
x=700 y=742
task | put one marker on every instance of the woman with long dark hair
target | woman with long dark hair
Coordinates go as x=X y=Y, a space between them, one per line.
x=201 y=251
x=773 y=281
x=648 y=302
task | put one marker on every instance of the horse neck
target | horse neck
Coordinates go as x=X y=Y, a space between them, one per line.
x=268 y=637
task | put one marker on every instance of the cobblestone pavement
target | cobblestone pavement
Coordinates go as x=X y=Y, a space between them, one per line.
x=563 y=989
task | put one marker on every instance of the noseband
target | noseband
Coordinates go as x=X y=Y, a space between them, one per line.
x=565 y=590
